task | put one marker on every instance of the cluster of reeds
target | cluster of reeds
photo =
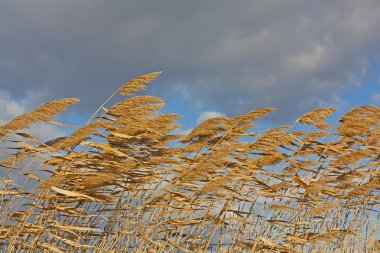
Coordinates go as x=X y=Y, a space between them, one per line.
x=124 y=182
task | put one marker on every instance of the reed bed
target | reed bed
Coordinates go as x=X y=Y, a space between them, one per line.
x=125 y=182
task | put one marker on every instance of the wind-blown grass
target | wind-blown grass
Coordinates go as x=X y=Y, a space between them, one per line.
x=125 y=183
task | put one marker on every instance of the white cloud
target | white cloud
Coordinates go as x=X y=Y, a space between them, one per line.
x=45 y=132
x=375 y=98
x=182 y=131
x=208 y=115
x=11 y=108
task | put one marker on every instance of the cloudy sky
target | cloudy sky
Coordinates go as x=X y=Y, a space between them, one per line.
x=217 y=56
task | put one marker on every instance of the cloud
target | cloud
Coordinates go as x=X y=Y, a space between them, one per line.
x=202 y=117
x=375 y=98
x=232 y=56
x=11 y=108
x=208 y=115
x=181 y=131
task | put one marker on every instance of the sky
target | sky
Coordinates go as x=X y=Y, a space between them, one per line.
x=218 y=57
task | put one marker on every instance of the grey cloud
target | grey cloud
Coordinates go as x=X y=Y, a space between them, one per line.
x=233 y=55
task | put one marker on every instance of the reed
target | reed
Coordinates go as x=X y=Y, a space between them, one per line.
x=124 y=182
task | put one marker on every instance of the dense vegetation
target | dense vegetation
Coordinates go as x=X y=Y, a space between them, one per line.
x=126 y=182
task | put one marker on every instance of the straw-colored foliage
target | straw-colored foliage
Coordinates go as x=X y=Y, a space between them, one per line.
x=125 y=182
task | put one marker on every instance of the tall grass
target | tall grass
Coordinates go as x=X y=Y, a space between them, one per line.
x=124 y=182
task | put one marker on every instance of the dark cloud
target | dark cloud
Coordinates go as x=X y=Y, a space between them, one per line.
x=234 y=55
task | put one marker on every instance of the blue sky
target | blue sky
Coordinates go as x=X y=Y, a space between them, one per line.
x=217 y=57
x=368 y=90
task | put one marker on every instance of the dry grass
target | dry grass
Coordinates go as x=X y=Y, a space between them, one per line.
x=125 y=183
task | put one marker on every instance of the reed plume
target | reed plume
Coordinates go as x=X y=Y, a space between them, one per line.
x=126 y=182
